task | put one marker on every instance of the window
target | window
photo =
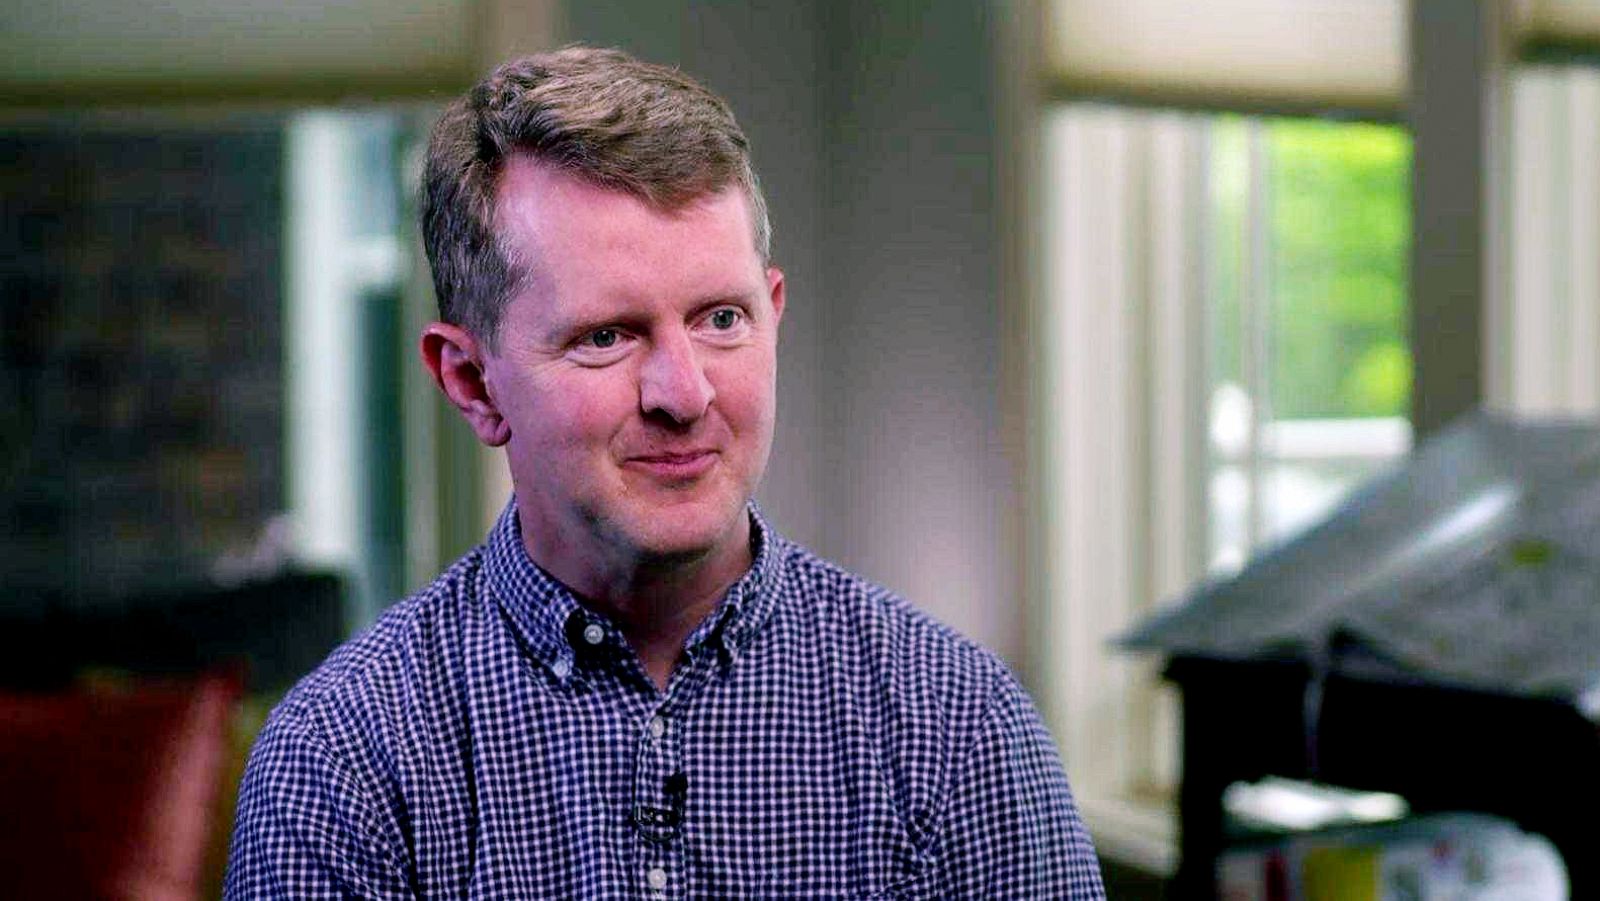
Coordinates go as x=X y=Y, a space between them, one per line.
x=207 y=360
x=1227 y=325
x=1307 y=235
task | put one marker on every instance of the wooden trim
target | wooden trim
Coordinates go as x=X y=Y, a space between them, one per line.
x=103 y=93
x=1059 y=89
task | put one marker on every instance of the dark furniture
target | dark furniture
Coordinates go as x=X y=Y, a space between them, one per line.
x=1437 y=637
x=1535 y=762
x=276 y=629
x=124 y=722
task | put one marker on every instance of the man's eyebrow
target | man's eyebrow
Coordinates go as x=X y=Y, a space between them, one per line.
x=561 y=328
x=571 y=324
x=740 y=294
x=724 y=297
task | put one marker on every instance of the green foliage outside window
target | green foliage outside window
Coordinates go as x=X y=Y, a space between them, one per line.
x=1341 y=226
x=1339 y=222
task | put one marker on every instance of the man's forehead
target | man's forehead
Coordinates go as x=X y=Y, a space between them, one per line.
x=525 y=178
x=538 y=201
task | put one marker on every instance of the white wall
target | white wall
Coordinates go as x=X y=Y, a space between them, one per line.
x=874 y=132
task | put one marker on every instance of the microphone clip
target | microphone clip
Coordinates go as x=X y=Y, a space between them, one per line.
x=662 y=824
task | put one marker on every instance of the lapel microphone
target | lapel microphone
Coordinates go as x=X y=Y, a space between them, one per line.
x=662 y=824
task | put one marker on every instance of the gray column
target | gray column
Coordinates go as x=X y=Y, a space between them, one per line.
x=1457 y=110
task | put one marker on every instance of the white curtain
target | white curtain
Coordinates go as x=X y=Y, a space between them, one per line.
x=1126 y=389
x=1544 y=344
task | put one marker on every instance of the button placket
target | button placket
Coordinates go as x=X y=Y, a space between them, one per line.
x=661 y=790
x=660 y=781
x=660 y=785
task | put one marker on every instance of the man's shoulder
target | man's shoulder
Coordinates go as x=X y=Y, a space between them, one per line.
x=888 y=639
x=937 y=709
x=390 y=667
x=328 y=773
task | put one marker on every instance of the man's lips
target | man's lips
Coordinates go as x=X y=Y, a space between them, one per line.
x=673 y=465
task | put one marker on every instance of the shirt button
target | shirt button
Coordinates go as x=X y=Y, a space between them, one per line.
x=656 y=878
x=562 y=668
x=658 y=727
x=593 y=634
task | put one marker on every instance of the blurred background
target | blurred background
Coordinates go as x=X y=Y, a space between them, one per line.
x=1089 y=300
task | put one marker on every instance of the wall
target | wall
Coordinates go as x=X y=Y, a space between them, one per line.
x=874 y=132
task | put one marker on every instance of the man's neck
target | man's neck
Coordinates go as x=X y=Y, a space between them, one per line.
x=656 y=602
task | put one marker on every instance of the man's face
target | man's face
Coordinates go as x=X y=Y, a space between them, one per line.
x=635 y=370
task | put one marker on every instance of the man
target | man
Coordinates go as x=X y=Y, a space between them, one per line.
x=635 y=687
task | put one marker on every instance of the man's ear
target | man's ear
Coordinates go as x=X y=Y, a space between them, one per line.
x=455 y=360
x=775 y=291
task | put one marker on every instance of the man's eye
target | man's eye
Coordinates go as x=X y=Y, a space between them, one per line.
x=604 y=338
x=724 y=319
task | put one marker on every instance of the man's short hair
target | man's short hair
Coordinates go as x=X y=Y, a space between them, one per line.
x=603 y=116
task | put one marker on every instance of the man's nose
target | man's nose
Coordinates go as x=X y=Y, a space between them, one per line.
x=673 y=382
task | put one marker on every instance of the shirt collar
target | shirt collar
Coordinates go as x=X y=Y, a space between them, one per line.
x=554 y=628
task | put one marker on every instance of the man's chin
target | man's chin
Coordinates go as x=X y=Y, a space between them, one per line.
x=677 y=535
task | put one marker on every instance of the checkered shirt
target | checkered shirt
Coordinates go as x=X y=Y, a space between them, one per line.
x=820 y=738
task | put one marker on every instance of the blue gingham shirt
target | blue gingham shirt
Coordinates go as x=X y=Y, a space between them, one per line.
x=820 y=738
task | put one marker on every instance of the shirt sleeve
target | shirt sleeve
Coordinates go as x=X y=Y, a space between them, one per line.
x=307 y=828
x=1012 y=829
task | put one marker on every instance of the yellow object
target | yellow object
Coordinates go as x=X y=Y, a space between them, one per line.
x=1340 y=874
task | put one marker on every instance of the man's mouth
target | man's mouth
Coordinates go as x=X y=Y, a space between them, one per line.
x=673 y=466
